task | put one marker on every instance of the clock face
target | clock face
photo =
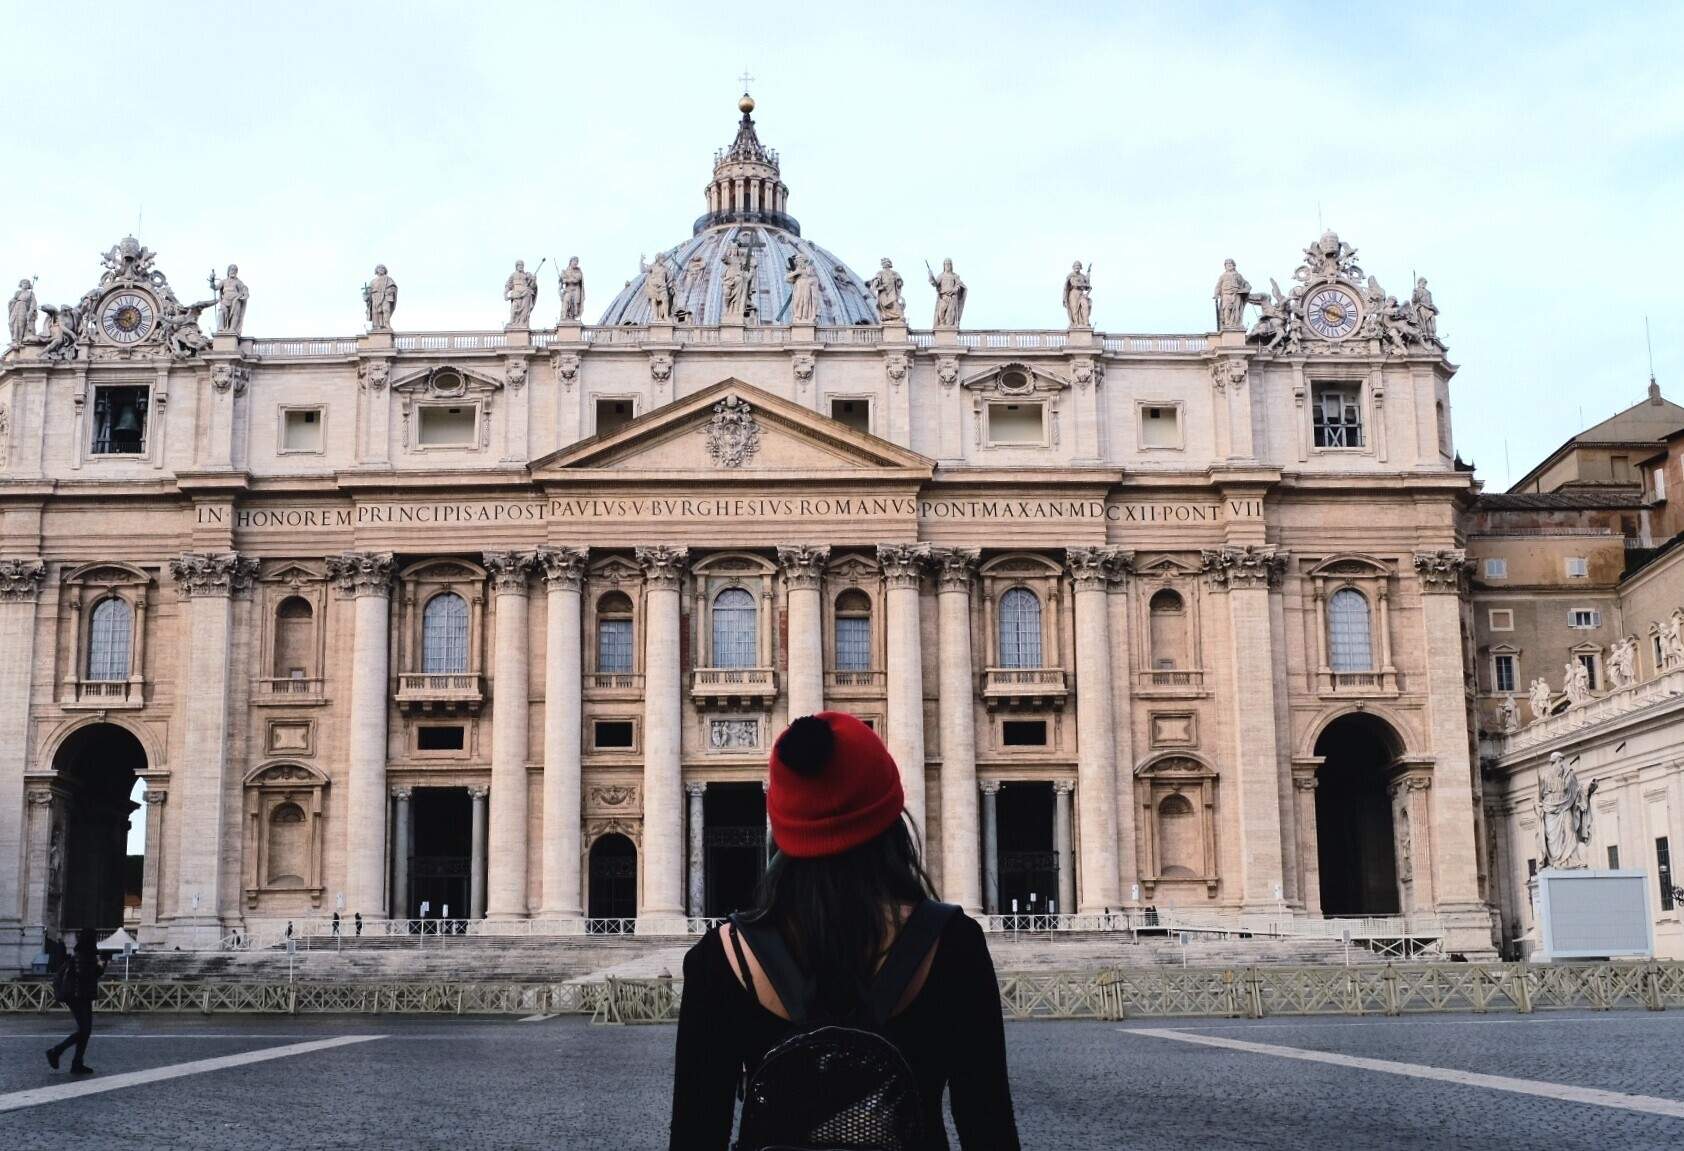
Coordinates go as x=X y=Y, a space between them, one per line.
x=1331 y=313
x=127 y=318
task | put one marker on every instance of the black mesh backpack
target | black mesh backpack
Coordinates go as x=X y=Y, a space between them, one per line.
x=836 y=1086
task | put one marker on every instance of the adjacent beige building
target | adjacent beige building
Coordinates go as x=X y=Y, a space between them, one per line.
x=504 y=620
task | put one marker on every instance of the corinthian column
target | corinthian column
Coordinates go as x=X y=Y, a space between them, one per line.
x=207 y=583
x=902 y=564
x=803 y=568
x=20 y=586
x=662 y=910
x=367 y=576
x=564 y=571
x=1092 y=570
x=960 y=870
x=510 y=738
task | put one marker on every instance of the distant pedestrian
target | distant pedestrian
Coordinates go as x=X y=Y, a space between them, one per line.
x=76 y=983
x=289 y=929
x=336 y=925
x=359 y=920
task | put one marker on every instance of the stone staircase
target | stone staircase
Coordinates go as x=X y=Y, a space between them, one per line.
x=584 y=959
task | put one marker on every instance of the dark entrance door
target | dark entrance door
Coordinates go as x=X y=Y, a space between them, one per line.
x=90 y=871
x=734 y=839
x=442 y=839
x=1354 y=845
x=613 y=900
x=1028 y=863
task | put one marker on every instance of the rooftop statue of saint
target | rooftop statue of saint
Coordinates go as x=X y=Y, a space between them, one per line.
x=1078 y=296
x=1233 y=293
x=886 y=286
x=521 y=290
x=657 y=289
x=950 y=295
x=737 y=281
x=572 y=284
x=231 y=296
x=804 y=294
x=380 y=299
x=20 y=313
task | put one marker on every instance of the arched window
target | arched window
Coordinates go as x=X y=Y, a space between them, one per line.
x=295 y=649
x=614 y=633
x=1179 y=852
x=444 y=635
x=853 y=631
x=735 y=639
x=1020 y=629
x=1348 y=642
x=110 y=634
x=289 y=846
x=1169 y=630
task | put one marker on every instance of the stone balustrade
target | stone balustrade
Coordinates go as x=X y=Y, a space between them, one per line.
x=1611 y=705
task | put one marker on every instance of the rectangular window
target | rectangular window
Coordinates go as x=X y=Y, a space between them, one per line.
x=452 y=737
x=1578 y=567
x=1531 y=867
x=1024 y=732
x=120 y=421
x=610 y=734
x=1660 y=483
x=1336 y=415
x=1160 y=426
x=612 y=415
x=1588 y=661
x=1502 y=672
x=301 y=430
x=1613 y=857
x=853 y=643
x=855 y=413
x=438 y=426
x=614 y=645
x=1663 y=869
x=1496 y=568
x=1584 y=617
x=1501 y=619
x=1017 y=424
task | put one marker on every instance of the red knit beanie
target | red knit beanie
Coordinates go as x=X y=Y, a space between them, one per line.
x=834 y=786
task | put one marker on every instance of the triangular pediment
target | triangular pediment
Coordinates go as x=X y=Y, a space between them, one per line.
x=733 y=431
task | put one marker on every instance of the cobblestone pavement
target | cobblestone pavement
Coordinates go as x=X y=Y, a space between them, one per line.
x=560 y=1083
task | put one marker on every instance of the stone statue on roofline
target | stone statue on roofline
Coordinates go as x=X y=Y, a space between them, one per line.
x=1563 y=810
x=804 y=293
x=1424 y=312
x=521 y=290
x=950 y=295
x=572 y=284
x=1538 y=695
x=886 y=286
x=1577 y=683
x=20 y=313
x=737 y=283
x=380 y=300
x=231 y=296
x=1232 y=294
x=657 y=289
x=1078 y=296
x=1508 y=715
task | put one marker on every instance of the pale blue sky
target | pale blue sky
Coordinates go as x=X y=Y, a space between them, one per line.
x=1531 y=165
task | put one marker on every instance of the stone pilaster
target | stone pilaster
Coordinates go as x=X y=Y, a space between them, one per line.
x=1412 y=835
x=955 y=569
x=990 y=789
x=902 y=567
x=563 y=570
x=20 y=588
x=400 y=853
x=803 y=569
x=510 y=739
x=1309 y=855
x=43 y=808
x=207 y=583
x=1092 y=570
x=367 y=578
x=1247 y=574
x=1062 y=846
x=151 y=881
x=662 y=910
x=476 y=854
x=697 y=892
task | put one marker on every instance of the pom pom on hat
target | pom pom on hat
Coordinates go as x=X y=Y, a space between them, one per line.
x=833 y=786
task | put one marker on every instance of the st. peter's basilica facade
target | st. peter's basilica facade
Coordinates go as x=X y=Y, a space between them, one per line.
x=504 y=620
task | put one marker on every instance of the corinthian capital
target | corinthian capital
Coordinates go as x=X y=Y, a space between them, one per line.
x=1247 y=567
x=1443 y=572
x=903 y=564
x=954 y=567
x=563 y=567
x=20 y=579
x=662 y=566
x=509 y=570
x=1096 y=568
x=803 y=564
x=361 y=573
x=220 y=574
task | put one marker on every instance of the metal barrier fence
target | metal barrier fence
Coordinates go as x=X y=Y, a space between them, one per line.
x=1118 y=993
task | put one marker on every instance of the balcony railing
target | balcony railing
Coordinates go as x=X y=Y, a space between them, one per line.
x=440 y=691
x=1383 y=682
x=1023 y=686
x=854 y=680
x=106 y=693
x=730 y=684
x=1172 y=679
x=292 y=689
x=614 y=681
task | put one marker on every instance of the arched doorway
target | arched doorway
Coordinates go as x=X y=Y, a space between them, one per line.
x=91 y=877
x=613 y=878
x=1356 y=850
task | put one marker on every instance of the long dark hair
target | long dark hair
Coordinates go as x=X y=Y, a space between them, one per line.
x=839 y=913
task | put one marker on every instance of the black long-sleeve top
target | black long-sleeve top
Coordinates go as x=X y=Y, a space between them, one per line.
x=951 y=1034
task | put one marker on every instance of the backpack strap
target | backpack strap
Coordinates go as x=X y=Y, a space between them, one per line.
x=917 y=935
x=794 y=989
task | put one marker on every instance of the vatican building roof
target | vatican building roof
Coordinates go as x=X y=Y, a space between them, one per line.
x=747 y=226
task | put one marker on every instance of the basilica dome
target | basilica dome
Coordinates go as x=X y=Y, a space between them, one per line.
x=747 y=224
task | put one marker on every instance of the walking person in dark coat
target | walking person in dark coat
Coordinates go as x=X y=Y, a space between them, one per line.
x=78 y=984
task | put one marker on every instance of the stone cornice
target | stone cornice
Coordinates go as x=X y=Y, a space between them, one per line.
x=1247 y=567
x=903 y=563
x=1443 y=572
x=803 y=565
x=21 y=580
x=1097 y=568
x=563 y=568
x=509 y=570
x=220 y=574
x=663 y=566
x=362 y=573
x=954 y=567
